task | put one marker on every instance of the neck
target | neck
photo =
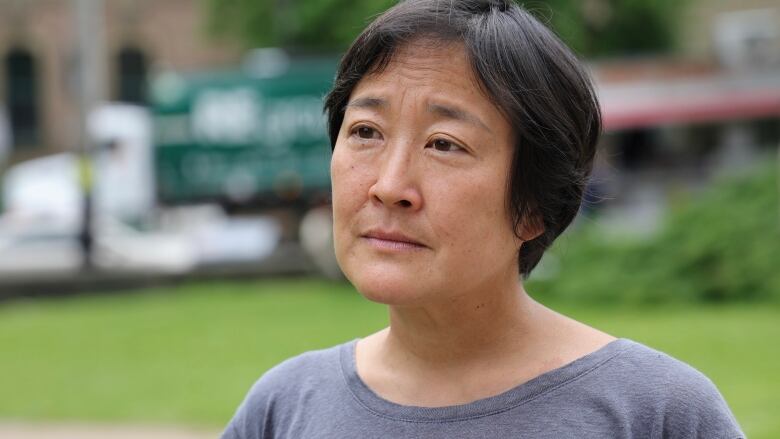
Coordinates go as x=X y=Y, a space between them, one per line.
x=467 y=331
x=471 y=346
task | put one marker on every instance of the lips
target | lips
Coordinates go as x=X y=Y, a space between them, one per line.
x=393 y=239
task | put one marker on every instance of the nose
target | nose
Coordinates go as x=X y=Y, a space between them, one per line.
x=396 y=184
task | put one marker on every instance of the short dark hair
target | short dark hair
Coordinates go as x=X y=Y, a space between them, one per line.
x=528 y=73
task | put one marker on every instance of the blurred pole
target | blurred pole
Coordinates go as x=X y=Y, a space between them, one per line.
x=89 y=25
x=282 y=22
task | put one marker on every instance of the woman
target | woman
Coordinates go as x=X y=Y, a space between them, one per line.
x=463 y=133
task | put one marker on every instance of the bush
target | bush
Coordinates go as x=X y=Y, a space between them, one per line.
x=724 y=245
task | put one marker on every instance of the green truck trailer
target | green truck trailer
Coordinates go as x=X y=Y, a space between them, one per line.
x=251 y=137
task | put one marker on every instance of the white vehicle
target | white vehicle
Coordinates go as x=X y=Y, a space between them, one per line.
x=43 y=215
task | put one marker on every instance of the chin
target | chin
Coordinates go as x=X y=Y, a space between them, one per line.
x=389 y=280
x=388 y=288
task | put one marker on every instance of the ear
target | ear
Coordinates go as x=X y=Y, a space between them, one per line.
x=530 y=228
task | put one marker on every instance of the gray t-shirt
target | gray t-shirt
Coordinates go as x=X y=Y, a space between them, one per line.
x=623 y=390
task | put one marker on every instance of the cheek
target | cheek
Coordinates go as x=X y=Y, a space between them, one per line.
x=475 y=224
x=347 y=182
x=349 y=185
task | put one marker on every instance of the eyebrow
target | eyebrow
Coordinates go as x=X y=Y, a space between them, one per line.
x=444 y=111
x=368 y=102
x=448 y=112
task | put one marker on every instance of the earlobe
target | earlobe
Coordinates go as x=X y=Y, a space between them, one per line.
x=529 y=229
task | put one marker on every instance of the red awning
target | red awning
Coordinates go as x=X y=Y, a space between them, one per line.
x=715 y=98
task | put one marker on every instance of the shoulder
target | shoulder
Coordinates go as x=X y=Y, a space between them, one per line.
x=655 y=366
x=309 y=370
x=646 y=367
x=277 y=394
x=301 y=369
x=682 y=400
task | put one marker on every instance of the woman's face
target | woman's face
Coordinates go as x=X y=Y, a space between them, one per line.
x=419 y=177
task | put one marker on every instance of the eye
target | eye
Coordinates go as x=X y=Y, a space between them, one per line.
x=365 y=132
x=444 y=145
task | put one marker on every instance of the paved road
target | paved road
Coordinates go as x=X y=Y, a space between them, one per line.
x=84 y=431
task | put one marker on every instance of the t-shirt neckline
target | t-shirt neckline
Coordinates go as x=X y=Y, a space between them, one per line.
x=507 y=400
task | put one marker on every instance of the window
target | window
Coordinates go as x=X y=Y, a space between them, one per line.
x=131 y=74
x=22 y=95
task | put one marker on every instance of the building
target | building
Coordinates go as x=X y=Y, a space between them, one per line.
x=38 y=53
x=731 y=31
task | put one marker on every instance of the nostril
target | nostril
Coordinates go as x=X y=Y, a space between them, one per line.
x=405 y=203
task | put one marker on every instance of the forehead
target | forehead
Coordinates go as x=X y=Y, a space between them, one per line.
x=434 y=75
x=421 y=58
x=440 y=68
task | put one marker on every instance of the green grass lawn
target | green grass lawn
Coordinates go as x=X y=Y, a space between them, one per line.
x=188 y=354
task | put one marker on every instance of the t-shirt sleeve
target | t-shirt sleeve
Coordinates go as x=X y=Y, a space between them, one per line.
x=268 y=409
x=251 y=416
x=698 y=410
x=231 y=432
x=257 y=415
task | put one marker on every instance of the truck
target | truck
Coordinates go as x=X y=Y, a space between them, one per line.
x=251 y=137
x=222 y=167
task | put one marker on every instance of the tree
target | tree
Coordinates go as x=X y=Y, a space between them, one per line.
x=306 y=24
x=590 y=27
x=612 y=27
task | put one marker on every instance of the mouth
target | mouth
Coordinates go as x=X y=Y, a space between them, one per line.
x=391 y=240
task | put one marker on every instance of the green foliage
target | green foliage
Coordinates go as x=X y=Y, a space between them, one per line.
x=183 y=354
x=307 y=24
x=612 y=27
x=724 y=245
x=592 y=27
x=188 y=354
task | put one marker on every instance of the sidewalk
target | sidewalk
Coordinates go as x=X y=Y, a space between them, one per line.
x=13 y=430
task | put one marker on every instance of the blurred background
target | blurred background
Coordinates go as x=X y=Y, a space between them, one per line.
x=164 y=201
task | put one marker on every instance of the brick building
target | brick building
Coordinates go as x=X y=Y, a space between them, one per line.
x=38 y=58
